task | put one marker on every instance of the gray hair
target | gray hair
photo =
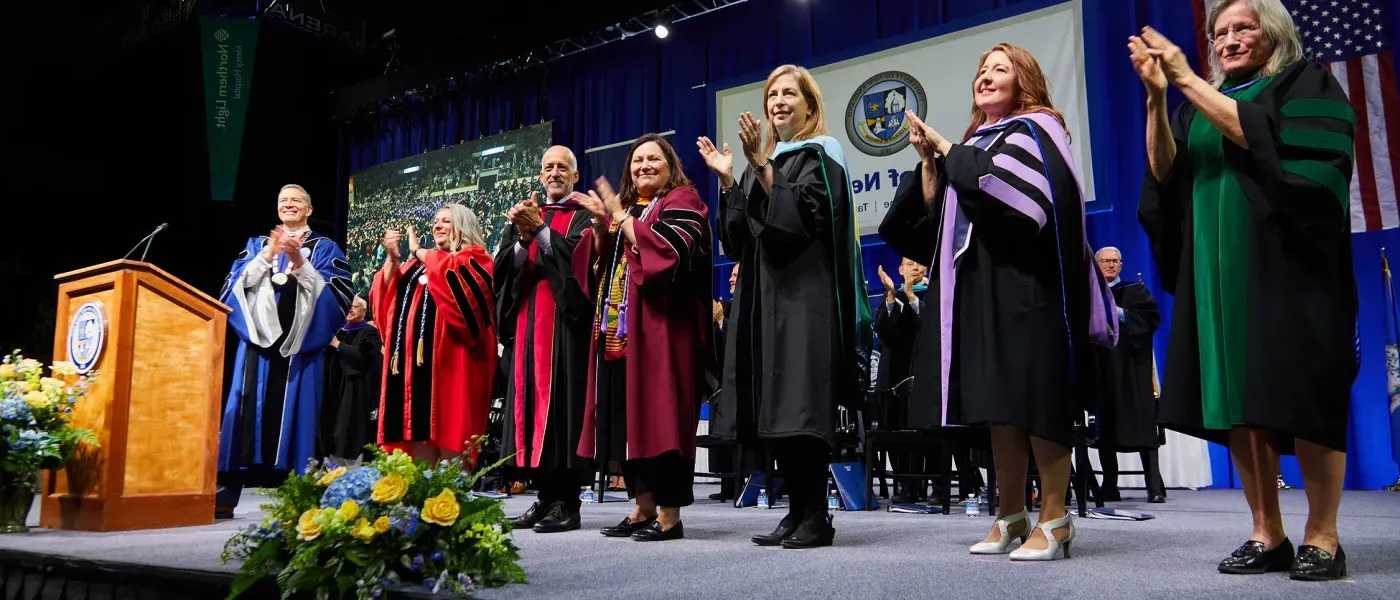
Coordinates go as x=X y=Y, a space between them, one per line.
x=293 y=186
x=1106 y=249
x=466 y=228
x=360 y=301
x=573 y=160
x=1275 y=23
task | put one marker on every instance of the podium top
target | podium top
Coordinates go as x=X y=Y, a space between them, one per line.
x=133 y=265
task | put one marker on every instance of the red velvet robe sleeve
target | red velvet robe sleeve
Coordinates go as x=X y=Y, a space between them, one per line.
x=461 y=285
x=673 y=241
x=382 y=292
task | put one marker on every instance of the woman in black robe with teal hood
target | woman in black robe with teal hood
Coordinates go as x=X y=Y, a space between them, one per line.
x=800 y=334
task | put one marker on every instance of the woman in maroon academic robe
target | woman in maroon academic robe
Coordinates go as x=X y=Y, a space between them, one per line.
x=647 y=263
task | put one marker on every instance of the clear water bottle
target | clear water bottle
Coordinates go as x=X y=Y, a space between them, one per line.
x=833 y=501
x=982 y=497
x=970 y=506
x=589 y=495
x=763 y=497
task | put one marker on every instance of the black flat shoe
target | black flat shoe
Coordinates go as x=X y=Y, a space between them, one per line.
x=626 y=528
x=560 y=518
x=815 y=532
x=1157 y=498
x=654 y=532
x=1316 y=564
x=1253 y=559
x=528 y=519
x=785 y=529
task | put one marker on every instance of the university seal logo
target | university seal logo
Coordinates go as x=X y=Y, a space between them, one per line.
x=87 y=332
x=875 y=120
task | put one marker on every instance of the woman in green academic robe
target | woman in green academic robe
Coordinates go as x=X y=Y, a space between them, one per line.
x=1246 y=207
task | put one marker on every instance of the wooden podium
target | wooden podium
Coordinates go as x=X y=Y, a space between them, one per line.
x=158 y=345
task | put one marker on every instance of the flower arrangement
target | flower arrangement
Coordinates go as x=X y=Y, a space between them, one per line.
x=34 y=415
x=393 y=521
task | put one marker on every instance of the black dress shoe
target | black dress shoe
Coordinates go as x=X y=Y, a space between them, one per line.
x=559 y=518
x=1253 y=559
x=1109 y=496
x=655 y=533
x=785 y=529
x=1316 y=564
x=528 y=519
x=223 y=513
x=1157 y=498
x=814 y=532
x=626 y=528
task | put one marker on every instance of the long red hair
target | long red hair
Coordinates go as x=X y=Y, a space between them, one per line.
x=1032 y=90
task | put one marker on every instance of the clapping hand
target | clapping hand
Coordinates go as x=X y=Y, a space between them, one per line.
x=274 y=244
x=612 y=203
x=1169 y=57
x=720 y=163
x=886 y=281
x=413 y=244
x=925 y=139
x=291 y=246
x=1147 y=67
x=751 y=138
x=391 y=244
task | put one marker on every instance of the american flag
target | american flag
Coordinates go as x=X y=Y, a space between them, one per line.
x=1349 y=37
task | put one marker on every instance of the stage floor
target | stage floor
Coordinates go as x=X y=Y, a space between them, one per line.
x=877 y=554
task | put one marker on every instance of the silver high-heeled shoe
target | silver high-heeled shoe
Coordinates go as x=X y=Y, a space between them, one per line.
x=1004 y=542
x=1049 y=552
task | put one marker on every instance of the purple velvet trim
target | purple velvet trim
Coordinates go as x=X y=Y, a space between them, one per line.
x=1010 y=196
x=947 y=281
x=1026 y=143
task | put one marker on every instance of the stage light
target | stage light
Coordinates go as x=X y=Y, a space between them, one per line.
x=662 y=31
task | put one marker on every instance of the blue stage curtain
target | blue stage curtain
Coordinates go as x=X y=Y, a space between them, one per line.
x=645 y=84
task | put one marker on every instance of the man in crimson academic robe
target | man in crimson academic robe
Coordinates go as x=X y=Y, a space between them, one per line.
x=544 y=320
x=289 y=291
x=1128 y=421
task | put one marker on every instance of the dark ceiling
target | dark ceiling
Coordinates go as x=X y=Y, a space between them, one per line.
x=478 y=32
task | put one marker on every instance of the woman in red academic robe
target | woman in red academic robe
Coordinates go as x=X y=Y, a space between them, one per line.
x=440 y=357
x=646 y=262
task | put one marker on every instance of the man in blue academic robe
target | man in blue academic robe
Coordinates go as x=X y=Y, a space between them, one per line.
x=289 y=291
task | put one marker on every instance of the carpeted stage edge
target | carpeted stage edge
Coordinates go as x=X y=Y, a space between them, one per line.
x=877 y=556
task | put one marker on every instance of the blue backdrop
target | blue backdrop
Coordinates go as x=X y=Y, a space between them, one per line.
x=645 y=84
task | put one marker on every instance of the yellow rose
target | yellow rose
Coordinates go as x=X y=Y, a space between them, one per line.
x=363 y=531
x=52 y=386
x=31 y=386
x=64 y=370
x=389 y=489
x=331 y=476
x=36 y=399
x=442 y=509
x=7 y=372
x=349 y=510
x=381 y=525
x=307 y=528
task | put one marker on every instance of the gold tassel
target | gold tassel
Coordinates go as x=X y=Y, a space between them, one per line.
x=420 y=352
x=394 y=363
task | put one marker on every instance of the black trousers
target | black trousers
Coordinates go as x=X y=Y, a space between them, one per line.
x=969 y=477
x=559 y=485
x=805 y=463
x=229 y=484
x=669 y=478
x=1108 y=460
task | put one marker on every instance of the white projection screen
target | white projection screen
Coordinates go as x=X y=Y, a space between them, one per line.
x=938 y=71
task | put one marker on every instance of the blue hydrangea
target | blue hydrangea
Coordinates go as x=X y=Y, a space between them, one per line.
x=16 y=410
x=405 y=520
x=355 y=485
x=31 y=441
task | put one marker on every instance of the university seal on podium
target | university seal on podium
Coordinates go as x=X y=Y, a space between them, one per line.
x=875 y=121
x=87 y=333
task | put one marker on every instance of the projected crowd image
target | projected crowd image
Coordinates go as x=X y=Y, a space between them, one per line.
x=488 y=175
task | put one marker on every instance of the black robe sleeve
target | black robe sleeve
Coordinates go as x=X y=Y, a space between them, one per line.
x=1140 y=321
x=363 y=356
x=795 y=213
x=733 y=222
x=1004 y=186
x=504 y=284
x=1163 y=205
x=1301 y=144
x=908 y=226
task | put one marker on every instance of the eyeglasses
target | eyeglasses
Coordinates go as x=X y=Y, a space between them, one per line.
x=1240 y=31
x=1111 y=261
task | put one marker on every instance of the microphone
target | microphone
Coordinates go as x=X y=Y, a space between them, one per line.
x=147 y=241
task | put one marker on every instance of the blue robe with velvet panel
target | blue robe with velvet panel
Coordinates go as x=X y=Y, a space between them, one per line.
x=272 y=412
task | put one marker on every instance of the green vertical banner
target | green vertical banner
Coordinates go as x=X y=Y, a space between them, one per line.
x=228 y=47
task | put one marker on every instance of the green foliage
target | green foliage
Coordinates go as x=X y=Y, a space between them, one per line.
x=35 y=433
x=339 y=532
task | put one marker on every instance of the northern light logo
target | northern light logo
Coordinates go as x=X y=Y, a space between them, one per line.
x=229 y=47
